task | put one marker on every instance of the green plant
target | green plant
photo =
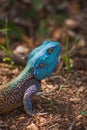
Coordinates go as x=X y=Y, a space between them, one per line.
x=66 y=56
x=37 y=4
x=6 y=48
x=13 y=29
x=83 y=113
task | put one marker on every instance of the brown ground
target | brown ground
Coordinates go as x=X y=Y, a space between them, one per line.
x=64 y=106
x=61 y=106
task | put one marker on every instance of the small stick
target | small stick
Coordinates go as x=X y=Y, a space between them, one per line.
x=17 y=59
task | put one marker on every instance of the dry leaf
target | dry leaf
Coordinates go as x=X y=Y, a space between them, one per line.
x=32 y=127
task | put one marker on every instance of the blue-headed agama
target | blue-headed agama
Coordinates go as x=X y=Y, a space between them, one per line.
x=41 y=63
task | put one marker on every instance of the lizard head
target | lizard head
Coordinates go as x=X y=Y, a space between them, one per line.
x=44 y=59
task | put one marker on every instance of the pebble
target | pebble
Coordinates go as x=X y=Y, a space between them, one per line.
x=21 y=49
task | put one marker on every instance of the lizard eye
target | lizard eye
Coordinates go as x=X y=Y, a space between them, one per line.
x=50 y=50
x=41 y=65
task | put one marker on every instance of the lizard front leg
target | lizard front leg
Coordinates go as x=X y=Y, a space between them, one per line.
x=31 y=91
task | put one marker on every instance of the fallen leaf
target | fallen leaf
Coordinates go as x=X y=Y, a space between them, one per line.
x=32 y=127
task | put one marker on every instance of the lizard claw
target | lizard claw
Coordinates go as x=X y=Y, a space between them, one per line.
x=38 y=113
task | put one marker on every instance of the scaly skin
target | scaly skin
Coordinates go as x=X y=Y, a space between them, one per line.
x=41 y=63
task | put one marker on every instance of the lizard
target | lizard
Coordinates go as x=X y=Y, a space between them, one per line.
x=40 y=64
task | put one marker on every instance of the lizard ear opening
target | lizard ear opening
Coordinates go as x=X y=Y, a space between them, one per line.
x=41 y=65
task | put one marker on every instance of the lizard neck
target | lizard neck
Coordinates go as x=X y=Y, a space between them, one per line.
x=27 y=71
x=25 y=75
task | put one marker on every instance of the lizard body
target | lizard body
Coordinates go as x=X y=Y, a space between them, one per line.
x=41 y=62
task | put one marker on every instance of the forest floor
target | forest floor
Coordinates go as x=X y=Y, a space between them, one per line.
x=64 y=104
x=63 y=107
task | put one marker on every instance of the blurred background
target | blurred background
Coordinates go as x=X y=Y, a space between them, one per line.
x=35 y=20
x=25 y=24
x=29 y=22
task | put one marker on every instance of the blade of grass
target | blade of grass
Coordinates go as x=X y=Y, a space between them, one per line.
x=83 y=113
x=76 y=40
x=4 y=49
x=4 y=30
x=8 y=59
x=7 y=40
x=67 y=45
x=66 y=57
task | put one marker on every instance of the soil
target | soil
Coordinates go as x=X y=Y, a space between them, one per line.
x=64 y=103
x=62 y=107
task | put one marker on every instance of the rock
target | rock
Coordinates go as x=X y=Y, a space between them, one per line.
x=21 y=49
x=71 y=23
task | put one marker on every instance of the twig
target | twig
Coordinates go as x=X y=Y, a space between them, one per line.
x=72 y=124
x=3 y=125
x=17 y=59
